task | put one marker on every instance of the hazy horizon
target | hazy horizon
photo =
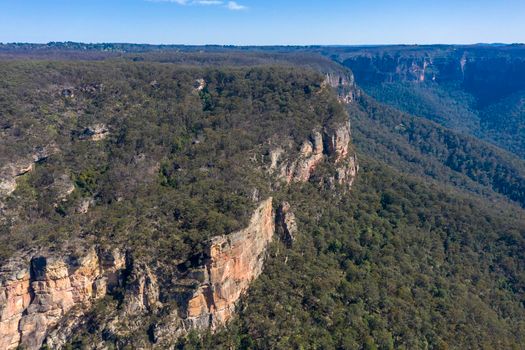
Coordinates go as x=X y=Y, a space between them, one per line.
x=264 y=45
x=263 y=23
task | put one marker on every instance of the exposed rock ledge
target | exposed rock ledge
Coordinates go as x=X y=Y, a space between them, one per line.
x=10 y=171
x=37 y=291
x=344 y=84
x=332 y=144
x=44 y=296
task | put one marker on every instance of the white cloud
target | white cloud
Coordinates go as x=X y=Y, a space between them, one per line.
x=208 y=2
x=180 y=2
x=232 y=5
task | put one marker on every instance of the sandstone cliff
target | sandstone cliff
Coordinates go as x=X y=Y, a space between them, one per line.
x=234 y=261
x=488 y=73
x=44 y=296
x=38 y=291
x=344 y=85
x=327 y=146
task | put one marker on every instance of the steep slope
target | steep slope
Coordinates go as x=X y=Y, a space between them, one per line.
x=413 y=265
x=473 y=89
x=137 y=197
x=423 y=253
x=46 y=298
x=416 y=146
x=175 y=167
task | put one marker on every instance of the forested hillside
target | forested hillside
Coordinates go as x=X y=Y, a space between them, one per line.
x=124 y=137
x=168 y=165
x=424 y=252
x=397 y=264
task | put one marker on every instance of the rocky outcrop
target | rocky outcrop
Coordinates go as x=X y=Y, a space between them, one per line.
x=302 y=168
x=329 y=145
x=96 y=132
x=234 y=261
x=138 y=297
x=199 y=85
x=9 y=172
x=44 y=296
x=35 y=296
x=344 y=84
x=336 y=141
x=142 y=289
x=346 y=173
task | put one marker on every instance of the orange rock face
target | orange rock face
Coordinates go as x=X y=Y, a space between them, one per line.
x=337 y=142
x=43 y=296
x=234 y=261
x=35 y=299
x=14 y=299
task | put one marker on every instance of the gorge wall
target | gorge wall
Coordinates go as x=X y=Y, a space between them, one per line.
x=37 y=292
x=488 y=73
x=234 y=261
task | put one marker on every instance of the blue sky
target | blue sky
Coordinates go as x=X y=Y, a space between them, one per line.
x=263 y=22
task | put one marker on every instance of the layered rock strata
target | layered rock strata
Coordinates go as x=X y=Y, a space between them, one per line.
x=344 y=85
x=234 y=261
x=35 y=296
x=44 y=297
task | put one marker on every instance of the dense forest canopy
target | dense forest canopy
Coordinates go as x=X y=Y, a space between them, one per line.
x=167 y=149
x=177 y=164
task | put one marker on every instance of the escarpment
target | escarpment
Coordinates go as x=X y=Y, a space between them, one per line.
x=234 y=261
x=344 y=85
x=46 y=296
x=486 y=72
x=172 y=214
